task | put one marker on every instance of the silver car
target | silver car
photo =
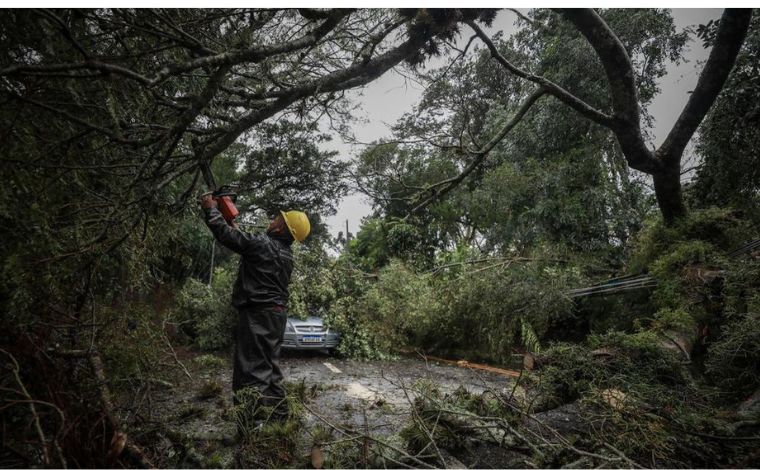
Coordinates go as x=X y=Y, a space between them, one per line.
x=309 y=334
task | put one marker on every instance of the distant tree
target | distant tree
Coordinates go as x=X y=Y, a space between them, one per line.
x=284 y=169
x=623 y=117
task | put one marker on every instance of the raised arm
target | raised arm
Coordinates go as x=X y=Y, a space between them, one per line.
x=231 y=237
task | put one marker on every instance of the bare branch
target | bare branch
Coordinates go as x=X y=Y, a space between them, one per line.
x=620 y=77
x=550 y=87
x=480 y=154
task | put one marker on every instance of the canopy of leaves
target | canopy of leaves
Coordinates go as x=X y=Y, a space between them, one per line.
x=730 y=136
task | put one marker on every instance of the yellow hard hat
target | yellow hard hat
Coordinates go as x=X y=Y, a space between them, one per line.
x=297 y=223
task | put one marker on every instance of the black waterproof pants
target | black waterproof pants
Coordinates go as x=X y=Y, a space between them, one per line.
x=258 y=342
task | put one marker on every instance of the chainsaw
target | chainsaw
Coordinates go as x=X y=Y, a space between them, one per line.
x=224 y=196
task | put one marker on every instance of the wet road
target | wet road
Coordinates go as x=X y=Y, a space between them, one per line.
x=352 y=390
x=368 y=397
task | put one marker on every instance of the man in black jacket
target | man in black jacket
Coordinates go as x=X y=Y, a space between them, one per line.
x=260 y=295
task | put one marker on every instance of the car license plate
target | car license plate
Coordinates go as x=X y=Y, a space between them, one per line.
x=312 y=339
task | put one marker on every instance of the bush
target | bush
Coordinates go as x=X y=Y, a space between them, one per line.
x=360 y=339
x=676 y=255
x=205 y=311
x=718 y=230
x=132 y=344
x=376 y=319
x=480 y=312
x=733 y=361
x=634 y=363
x=570 y=372
x=505 y=306
x=311 y=287
x=641 y=359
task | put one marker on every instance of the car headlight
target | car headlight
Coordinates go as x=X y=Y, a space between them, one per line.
x=289 y=328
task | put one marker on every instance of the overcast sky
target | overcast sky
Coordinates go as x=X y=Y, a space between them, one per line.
x=383 y=101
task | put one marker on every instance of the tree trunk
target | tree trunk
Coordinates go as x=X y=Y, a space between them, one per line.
x=667 y=189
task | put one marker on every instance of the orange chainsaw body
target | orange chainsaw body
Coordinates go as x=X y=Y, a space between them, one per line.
x=227 y=208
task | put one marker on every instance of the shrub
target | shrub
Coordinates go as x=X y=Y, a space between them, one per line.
x=570 y=372
x=133 y=345
x=733 y=361
x=673 y=319
x=717 y=229
x=504 y=306
x=359 y=339
x=205 y=311
x=312 y=289
x=481 y=312
x=386 y=315
x=641 y=359
x=634 y=363
x=673 y=254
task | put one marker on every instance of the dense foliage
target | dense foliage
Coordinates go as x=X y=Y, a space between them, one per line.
x=728 y=141
x=497 y=304
x=204 y=311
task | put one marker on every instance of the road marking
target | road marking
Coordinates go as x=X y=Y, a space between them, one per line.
x=357 y=390
x=331 y=367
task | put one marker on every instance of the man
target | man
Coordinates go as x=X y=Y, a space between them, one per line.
x=260 y=295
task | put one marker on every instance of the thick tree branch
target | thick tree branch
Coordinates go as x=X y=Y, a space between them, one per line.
x=256 y=54
x=185 y=39
x=734 y=24
x=363 y=57
x=200 y=101
x=250 y=55
x=617 y=67
x=519 y=115
x=351 y=77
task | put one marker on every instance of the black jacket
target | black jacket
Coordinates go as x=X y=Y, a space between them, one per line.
x=266 y=263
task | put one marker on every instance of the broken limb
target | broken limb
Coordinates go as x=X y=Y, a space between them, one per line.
x=348 y=433
x=32 y=409
x=120 y=442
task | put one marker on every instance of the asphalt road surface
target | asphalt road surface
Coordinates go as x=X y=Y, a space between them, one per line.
x=351 y=390
x=364 y=396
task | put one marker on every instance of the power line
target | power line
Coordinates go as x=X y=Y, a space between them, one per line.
x=632 y=282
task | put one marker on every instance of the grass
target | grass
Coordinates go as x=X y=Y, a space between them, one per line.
x=209 y=361
x=210 y=389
